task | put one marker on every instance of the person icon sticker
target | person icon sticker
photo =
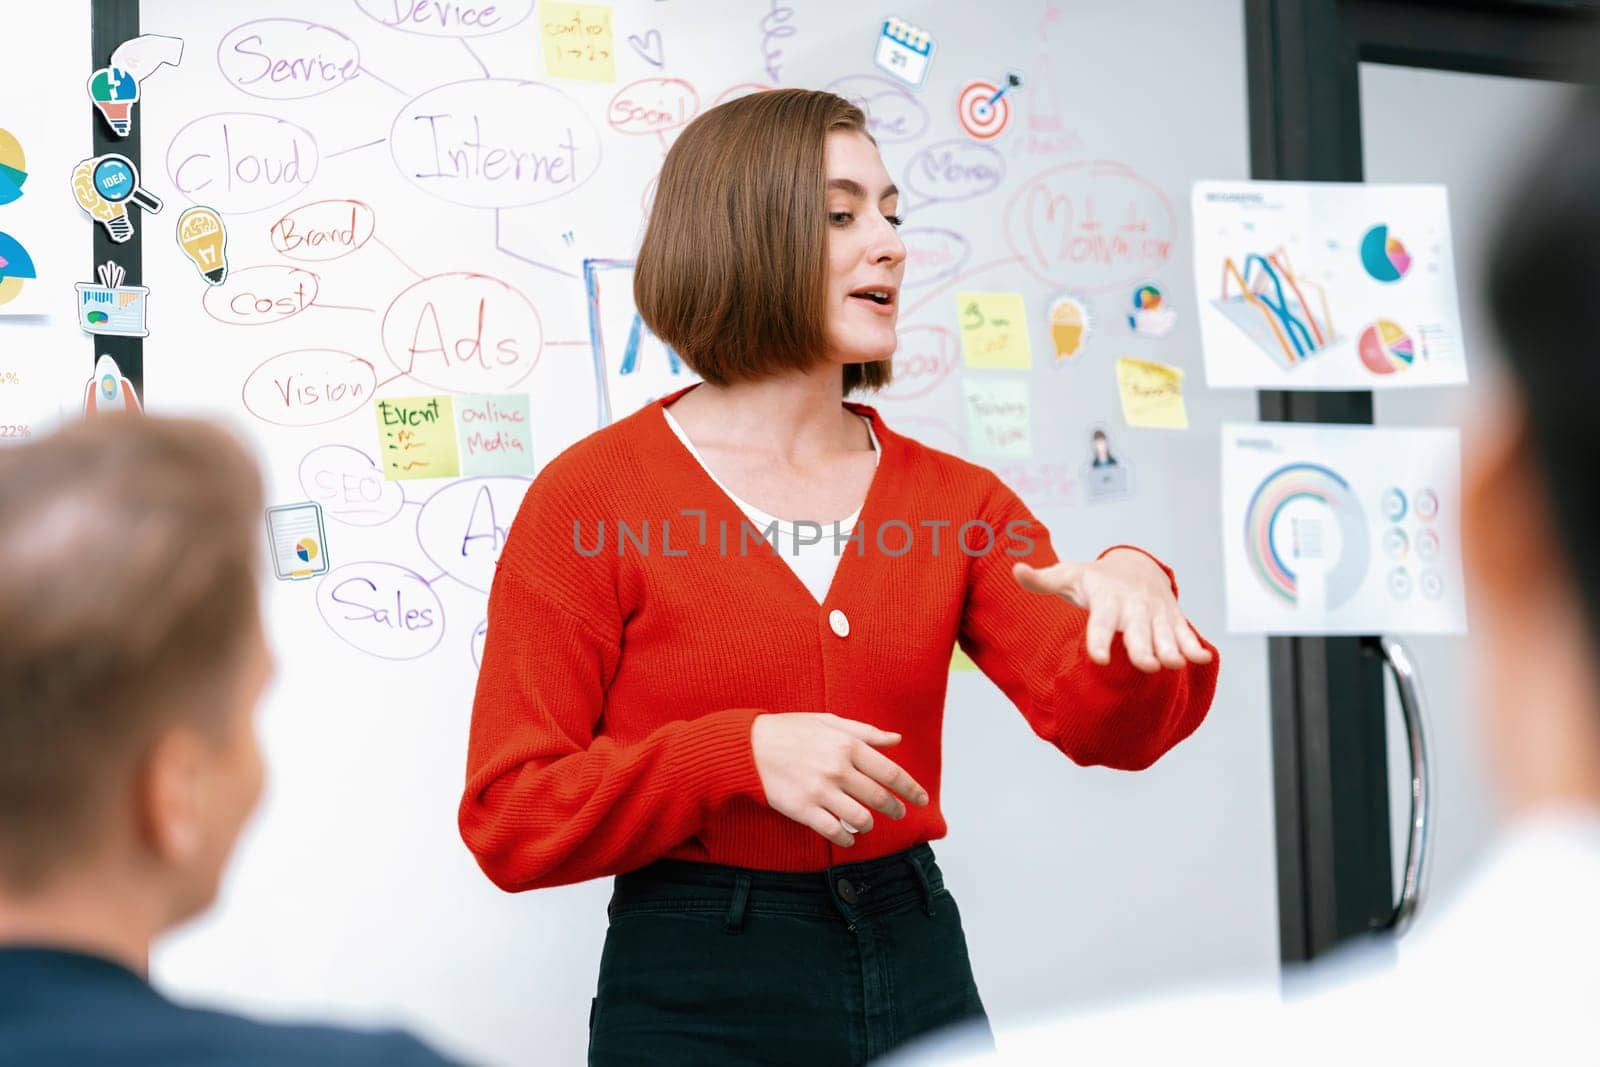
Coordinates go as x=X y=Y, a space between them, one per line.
x=1105 y=476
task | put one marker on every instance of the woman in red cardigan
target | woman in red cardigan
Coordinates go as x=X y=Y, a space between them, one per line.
x=720 y=632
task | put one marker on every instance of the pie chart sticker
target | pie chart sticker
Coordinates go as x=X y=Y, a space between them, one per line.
x=13 y=167
x=15 y=266
x=1385 y=347
x=1385 y=258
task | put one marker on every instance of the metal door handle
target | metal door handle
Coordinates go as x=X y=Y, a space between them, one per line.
x=1413 y=711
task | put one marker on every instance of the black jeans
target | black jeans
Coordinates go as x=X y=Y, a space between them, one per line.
x=711 y=964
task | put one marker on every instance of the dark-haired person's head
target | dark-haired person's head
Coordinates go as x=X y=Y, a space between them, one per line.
x=1531 y=501
x=131 y=663
x=771 y=246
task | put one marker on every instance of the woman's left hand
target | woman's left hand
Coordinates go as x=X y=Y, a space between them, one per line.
x=1124 y=592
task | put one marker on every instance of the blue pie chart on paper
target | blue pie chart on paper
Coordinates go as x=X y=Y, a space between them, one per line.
x=13 y=168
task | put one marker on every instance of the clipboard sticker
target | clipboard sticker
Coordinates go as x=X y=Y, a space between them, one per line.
x=298 y=542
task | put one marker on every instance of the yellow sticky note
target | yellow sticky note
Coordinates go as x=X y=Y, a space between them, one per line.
x=1152 y=394
x=417 y=437
x=960 y=661
x=994 y=330
x=577 y=41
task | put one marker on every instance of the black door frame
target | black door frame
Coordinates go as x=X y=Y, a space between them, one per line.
x=1330 y=763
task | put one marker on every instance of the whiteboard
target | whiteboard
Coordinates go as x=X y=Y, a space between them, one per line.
x=421 y=212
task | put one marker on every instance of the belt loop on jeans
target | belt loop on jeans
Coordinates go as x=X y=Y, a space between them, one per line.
x=927 y=889
x=741 y=896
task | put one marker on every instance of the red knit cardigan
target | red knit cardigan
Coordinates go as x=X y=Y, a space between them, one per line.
x=620 y=677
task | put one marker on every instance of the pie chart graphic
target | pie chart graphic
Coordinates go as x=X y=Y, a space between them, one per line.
x=15 y=265
x=1385 y=348
x=1385 y=258
x=306 y=549
x=13 y=168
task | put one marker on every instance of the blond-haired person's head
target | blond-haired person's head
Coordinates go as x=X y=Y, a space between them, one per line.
x=131 y=663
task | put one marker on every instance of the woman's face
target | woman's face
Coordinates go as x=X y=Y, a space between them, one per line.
x=865 y=256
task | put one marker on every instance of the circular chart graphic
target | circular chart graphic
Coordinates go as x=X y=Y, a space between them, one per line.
x=1427 y=544
x=13 y=167
x=306 y=549
x=1268 y=528
x=980 y=114
x=1400 y=583
x=1395 y=543
x=1385 y=258
x=15 y=266
x=1432 y=584
x=1427 y=505
x=1385 y=348
x=1146 y=298
x=1394 y=504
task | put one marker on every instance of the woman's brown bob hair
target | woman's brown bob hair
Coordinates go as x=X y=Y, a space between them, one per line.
x=733 y=271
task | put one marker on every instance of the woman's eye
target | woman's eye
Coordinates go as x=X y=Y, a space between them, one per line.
x=839 y=218
x=895 y=220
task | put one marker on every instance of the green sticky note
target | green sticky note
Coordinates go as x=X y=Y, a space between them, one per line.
x=494 y=435
x=994 y=331
x=417 y=437
x=999 y=419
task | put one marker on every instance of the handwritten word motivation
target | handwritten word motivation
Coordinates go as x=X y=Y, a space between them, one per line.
x=495 y=143
x=1095 y=226
x=287 y=59
x=446 y=18
x=238 y=162
x=463 y=333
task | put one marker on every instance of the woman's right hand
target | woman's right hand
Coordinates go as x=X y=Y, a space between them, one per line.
x=825 y=772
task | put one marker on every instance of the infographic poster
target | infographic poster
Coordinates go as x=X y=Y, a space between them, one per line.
x=1326 y=285
x=1341 y=529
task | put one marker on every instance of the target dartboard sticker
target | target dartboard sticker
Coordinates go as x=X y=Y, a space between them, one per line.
x=980 y=113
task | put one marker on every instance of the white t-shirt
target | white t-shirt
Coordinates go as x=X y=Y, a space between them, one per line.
x=813 y=562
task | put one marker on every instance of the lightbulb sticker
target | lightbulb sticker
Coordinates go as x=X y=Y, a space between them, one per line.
x=114 y=91
x=104 y=185
x=204 y=239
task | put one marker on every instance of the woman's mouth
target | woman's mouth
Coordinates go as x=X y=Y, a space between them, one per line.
x=882 y=298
